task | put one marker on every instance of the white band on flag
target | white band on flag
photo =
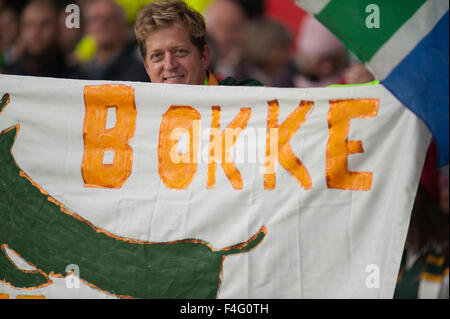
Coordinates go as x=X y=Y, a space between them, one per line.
x=313 y=7
x=407 y=37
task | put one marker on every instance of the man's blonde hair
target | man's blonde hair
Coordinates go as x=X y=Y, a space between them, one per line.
x=166 y=13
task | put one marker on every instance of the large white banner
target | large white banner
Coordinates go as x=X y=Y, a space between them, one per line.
x=140 y=190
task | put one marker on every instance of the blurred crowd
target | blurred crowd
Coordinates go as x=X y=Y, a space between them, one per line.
x=272 y=41
x=248 y=39
x=39 y=38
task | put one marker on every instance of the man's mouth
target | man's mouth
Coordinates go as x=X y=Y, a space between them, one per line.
x=174 y=79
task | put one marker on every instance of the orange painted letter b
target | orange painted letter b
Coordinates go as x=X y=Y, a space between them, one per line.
x=98 y=138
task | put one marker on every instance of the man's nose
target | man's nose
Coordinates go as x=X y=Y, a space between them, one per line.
x=170 y=62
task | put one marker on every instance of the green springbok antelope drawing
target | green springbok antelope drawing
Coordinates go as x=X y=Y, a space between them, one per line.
x=50 y=237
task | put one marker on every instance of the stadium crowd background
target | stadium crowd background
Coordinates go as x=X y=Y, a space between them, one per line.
x=272 y=41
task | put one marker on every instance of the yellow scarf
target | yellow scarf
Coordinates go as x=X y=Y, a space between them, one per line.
x=211 y=79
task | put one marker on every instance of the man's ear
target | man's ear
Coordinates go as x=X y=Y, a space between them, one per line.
x=206 y=57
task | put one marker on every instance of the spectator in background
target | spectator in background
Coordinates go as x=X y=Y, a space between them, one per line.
x=9 y=31
x=266 y=53
x=424 y=267
x=287 y=12
x=225 y=24
x=321 y=58
x=68 y=37
x=116 y=57
x=38 y=53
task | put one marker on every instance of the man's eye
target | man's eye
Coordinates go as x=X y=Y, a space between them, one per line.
x=155 y=57
x=181 y=52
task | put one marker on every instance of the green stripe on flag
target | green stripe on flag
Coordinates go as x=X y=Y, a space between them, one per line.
x=347 y=20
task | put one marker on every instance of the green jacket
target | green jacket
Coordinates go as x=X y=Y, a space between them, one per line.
x=229 y=81
x=233 y=82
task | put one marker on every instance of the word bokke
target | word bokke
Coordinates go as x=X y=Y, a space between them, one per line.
x=177 y=169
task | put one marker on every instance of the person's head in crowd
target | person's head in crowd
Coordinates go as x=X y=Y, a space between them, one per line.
x=107 y=24
x=68 y=36
x=266 y=53
x=39 y=27
x=225 y=23
x=172 y=41
x=320 y=55
x=9 y=27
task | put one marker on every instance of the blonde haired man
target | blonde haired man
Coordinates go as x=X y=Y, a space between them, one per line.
x=171 y=37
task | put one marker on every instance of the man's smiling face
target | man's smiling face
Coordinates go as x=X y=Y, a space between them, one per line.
x=172 y=58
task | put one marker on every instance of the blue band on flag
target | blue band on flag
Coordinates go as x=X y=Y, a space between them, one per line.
x=421 y=83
